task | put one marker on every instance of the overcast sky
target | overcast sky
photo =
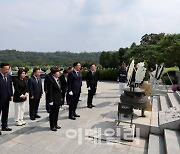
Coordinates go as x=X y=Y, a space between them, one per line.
x=83 y=25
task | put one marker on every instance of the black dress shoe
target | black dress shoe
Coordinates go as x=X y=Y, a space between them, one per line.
x=37 y=116
x=92 y=105
x=72 y=118
x=58 y=127
x=32 y=118
x=76 y=115
x=6 y=129
x=89 y=107
x=54 y=129
x=0 y=133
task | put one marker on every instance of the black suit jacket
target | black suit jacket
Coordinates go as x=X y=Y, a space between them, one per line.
x=46 y=81
x=122 y=75
x=63 y=84
x=74 y=82
x=6 y=91
x=21 y=88
x=92 y=79
x=55 y=94
x=35 y=89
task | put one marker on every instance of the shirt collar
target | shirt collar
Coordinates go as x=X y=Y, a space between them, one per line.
x=76 y=71
x=56 y=79
x=35 y=77
x=93 y=71
x=3 y=75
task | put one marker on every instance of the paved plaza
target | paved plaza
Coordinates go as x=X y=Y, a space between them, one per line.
x=78 y=136
x=36 y=137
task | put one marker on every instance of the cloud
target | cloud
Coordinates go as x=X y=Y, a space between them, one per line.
x=83 y=25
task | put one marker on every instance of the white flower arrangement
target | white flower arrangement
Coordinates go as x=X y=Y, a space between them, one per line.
x=140 y=73
x=130 y=71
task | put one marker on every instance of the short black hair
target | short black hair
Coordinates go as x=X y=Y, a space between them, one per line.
x=65 y=71
x=76 y=63
x=92 y=64
x=35 y=69
x=54 y=69
x=20 y=71
x=70 y=67
x=3 y=64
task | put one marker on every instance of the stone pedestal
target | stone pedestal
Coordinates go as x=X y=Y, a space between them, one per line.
x=170 y=118
x=125 y=131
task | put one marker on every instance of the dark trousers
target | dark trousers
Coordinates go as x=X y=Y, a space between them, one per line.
x=63 y=97
x=53 y=116
x=33 y=107
x=47 y=104
x=67 y=98
x=74 y=99
x=91 y=93
x=4 y=108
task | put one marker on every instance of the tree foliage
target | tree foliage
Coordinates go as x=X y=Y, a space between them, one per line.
x=153 y=48
x=22 y=59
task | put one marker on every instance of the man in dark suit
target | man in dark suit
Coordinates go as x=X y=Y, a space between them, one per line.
x=55 y=97
x=46 y=83
x=92 y=78
x=6 y=94
x=74 y=89
x=35 y=93
x=122 y=78
x=63 y=80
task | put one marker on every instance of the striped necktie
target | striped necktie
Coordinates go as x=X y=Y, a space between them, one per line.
x=37 y=80
x=58 y=83
x=5 y=79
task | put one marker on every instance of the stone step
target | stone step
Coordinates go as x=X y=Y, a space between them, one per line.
x=155 y=104
x=173 y=100
x=164 y=103
x=178 y=95
x=154 y=129
x=156 y=144
x=172 y=141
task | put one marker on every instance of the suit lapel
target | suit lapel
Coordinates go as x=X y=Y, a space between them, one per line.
x=4 y=80
x=64 y=78
x=59 y=86
x=77 y=77
x=37 y=82
x=34 y=79
x=1 y=76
